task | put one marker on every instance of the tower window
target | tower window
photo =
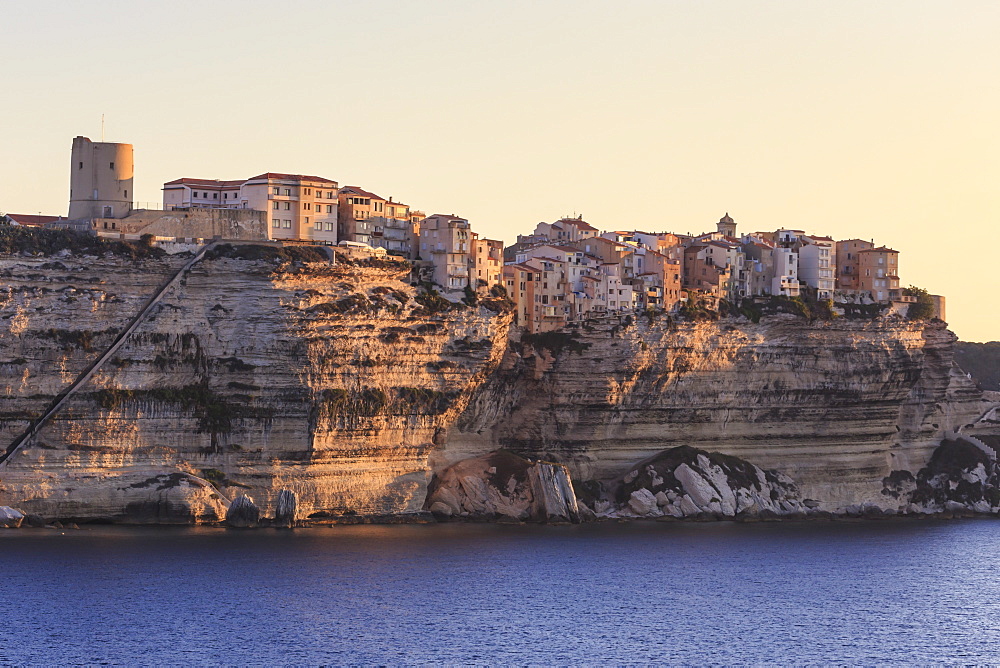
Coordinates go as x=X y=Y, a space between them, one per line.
x=112 y=165
x=81 y=165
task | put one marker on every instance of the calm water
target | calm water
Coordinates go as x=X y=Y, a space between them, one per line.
x=882 y=592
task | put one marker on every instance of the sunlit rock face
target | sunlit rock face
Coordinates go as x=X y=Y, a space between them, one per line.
x=253 y=375
x=265 y=370
x=833 y=405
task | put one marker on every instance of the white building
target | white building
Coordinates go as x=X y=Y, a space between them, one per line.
x=298 y=207
x=817 y=259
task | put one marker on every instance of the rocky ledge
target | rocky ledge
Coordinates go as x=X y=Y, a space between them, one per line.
x=502 y=485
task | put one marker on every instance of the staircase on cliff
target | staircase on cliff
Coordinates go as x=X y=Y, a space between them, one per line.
x=32 y=431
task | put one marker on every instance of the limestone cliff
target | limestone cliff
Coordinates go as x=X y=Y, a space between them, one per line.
x=255 y=373
x=262 y=369
x=835 y=405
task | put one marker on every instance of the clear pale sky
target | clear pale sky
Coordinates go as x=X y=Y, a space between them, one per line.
x=875 y=119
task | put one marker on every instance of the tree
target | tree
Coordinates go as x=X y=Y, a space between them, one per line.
x=923 y=308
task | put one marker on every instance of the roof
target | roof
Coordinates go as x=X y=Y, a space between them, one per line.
x=880 y=249
x=815 y=238
x=519 y=266
x=576 y=222
x=204 y=183
x=726 y=218
x=566 y=249
x=277 y=176
x=355 y=190
x=446 y=216
x=32 y=220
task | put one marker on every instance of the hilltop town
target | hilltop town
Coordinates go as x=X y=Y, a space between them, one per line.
x=562 y=272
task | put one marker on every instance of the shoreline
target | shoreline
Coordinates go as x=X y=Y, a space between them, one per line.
x=428 y=519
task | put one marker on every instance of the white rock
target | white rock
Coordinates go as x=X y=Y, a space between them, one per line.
x=675 y=510
x=642 y=502
x=662 y=499
x=10 y=518
x=439 y=508
x=977 y=474
x=700 y=490
x=688 y=507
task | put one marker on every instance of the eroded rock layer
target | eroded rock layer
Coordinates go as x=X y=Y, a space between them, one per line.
x=833 y=405
x=260 y=371
x=252 y=376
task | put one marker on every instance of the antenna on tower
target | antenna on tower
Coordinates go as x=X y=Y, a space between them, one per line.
x=102 y=128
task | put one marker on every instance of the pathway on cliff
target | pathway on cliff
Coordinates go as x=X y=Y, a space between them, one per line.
x=96 y=365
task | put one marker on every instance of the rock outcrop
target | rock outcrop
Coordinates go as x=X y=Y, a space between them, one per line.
x=961 y=476
x=267 y=369
x=286 y=509
x=685 y=482
x=243 y=513
x=834 y=405
x=504 y=485
x=263 y=369
x=10 y=518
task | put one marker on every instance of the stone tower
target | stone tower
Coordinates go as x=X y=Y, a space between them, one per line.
x=727 y=226
x=100 y=182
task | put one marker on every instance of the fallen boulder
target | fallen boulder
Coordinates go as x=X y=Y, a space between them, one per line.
x=10 y=518
x=243 y=513
x=502 y=484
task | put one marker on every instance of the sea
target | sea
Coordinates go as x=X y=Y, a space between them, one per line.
x=648 y=593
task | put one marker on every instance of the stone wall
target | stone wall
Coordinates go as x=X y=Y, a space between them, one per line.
x=233 y=224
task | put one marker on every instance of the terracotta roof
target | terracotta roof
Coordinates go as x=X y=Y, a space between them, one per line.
x=821 y=238
x=880 y=249
x=30 y=220
x=290 y=177
x=576 y=222
x=354 y=190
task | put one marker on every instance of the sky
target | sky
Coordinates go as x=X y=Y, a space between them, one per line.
x=873 y=120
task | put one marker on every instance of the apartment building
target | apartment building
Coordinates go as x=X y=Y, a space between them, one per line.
x=817 y=264
x=848 y=262
x=566 y=230
x=298 y=207
x=487 y=262
x=446 y=241
x=878 y=273
x=367 y=218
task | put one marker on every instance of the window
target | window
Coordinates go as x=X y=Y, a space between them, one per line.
x=276 y=223
x=126 y=193
x=112 y=165
x=287 y=225
x=329 y=208
x=277 y=205
x=81 y=165
x=309 y=191
x=288 y=206
x=329 y=227
x=288 y=192
x=329 y=194
x=307 y=206
x=277 y=191
x=215 y=195
x=307 y=221
x=319 y=225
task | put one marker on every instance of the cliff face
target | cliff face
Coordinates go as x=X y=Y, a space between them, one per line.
x=259 y=372
x=251 y=376
x=834 y=405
